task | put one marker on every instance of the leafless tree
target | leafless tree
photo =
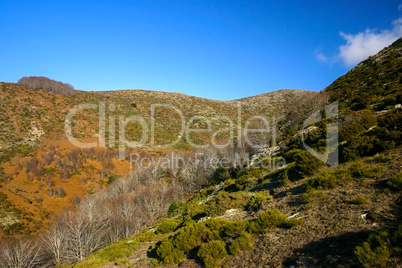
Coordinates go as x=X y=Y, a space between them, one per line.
x=20 y=254
x=55 y=241
x=46 y=84
x=50 y=182
x=83 y=236
x=127 y=212
x=31 y=164
x=129 y=203
x=61 y=192
x=49 y=157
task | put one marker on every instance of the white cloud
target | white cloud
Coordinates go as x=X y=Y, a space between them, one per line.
x=400 y=7
x=361 y=45
x=321 y=57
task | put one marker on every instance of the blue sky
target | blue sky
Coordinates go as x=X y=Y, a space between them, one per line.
x=213 y=49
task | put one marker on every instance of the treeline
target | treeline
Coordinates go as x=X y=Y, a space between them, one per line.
x=47 y=85
x=67 y=164
x=123 y=209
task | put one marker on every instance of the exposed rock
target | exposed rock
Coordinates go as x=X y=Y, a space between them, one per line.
x=234 y=214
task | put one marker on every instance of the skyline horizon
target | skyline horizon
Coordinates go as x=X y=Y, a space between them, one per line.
x=210 y=49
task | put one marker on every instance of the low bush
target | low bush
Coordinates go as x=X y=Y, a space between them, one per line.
x=395 y=183
x=293 y=223
x=323 y=181
x=145 y=236
x=329 y=179
x=257 y=199
x=192 y=212
x=234 y=229
x=114 y=252
x=267 y=220
x=360 y=170
x=305 y=163
x=361 y=200
x=212 y=252
x=215 y=224
x=221 y=174
x=169 y=226
x=244 y=242
x=168 y=253
x=172 y=208
x=225 y=201
x=312 y=195
x=229 y=185
x=188 y=237
x=3 y=197
x=284 y=175
x=381 y=249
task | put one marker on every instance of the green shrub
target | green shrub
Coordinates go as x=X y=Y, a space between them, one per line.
x=172 y=250
x=270 y=219
x=243 y=243
x=381 y=158
x=215 y=224
x=380 y=248
x=172 y=208
x=361 y=200
x=211 y=229
x=169 y=226
x=284 y=175
x=114 y=252
x=194 y=234
x=188 y=237
x=3 y=197
x=229 y=185
x=312 y=195
x=323 y=181
x=234 y=229
x=306 y=164
x=357 y=170
x=395 y=182
x=287 y=174
x=257 y=199
x=15 y=228
x=342 y=175
x=221 y=174
x=168 y=253
x=192 y=211
x=211 y=253
x=293 y=223
x=145 y=236
x=329 y=179
x=224 y=201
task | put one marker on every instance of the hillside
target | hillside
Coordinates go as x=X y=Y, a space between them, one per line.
x=301 y=212
x=42 y=173
x=213 y=207
x=374 y=83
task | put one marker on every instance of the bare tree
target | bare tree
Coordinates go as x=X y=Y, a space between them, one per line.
x=83 y=236
x=20 y=254
x=126 y=210
x=55 y=241
x=46 y=84
x=61 y=192
x=49 y=157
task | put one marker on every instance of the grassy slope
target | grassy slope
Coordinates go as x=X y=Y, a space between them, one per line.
x=334 y=221
x=32 y=126
x=339 y=207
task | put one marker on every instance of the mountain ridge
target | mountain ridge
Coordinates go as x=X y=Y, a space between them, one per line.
x=280 y=208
